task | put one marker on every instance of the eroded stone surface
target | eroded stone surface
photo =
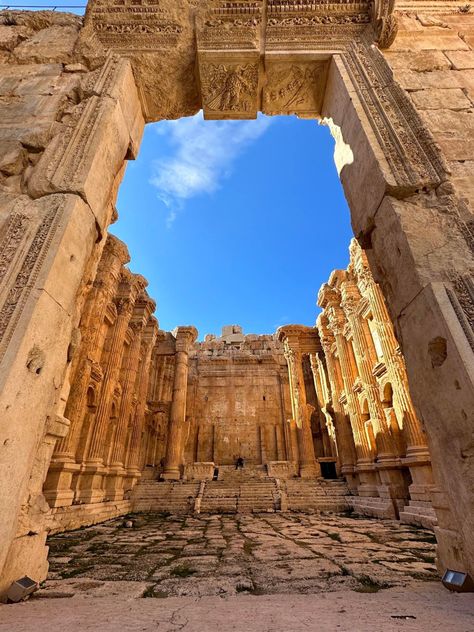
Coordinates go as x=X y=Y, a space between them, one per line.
x=225 y=555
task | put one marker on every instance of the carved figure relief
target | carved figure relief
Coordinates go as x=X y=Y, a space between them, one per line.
x=295 y=87
x=230 y=88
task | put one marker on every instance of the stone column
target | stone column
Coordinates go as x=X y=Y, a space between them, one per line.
x=417 y=456
x=289 y=335
x=135 y=442
x=388 y=461
x=320 y=385
x=58 y=485
x=89 y=487
x=116 y=470
x=185 y=337
x=344 y=436
x=330 y=298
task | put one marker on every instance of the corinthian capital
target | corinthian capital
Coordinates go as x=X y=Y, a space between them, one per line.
x=124 y=306
x=328 y=296
x=185 y=337
x=350 y=297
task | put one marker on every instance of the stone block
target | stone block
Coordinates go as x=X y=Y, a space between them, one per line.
x=199 y=471
x=49 y=45
x=424 y=61
x=12 y=158
x=438 y=79
x=435 y=99
x=446 y=124
x=461 y=60
x=428 y=40
x=410 y=248
x=456 y=149
x=280 y=469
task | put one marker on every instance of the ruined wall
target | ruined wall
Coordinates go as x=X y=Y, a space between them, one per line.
x=238 y=401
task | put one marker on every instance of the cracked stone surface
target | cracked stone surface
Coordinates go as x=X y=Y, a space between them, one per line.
x=234 y=562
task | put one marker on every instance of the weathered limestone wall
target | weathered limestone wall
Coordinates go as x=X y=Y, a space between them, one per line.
x=238 y=402
x=433 y=306
x=392 y=467
x=67 y=122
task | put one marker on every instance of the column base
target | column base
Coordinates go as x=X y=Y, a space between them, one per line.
x=58 y=485
x=310 y=470
x=113 y=483
x=89 y=484
x=171 y=474
x=368 y=479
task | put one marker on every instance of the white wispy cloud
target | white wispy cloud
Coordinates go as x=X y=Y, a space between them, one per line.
x=203 y=153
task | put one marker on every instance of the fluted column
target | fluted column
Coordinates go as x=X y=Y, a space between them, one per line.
x=344 y=435
x=330 y=299
x=386 y=447
x=58 y=486
x=289 y=335
x=89 y=485
x=116 y=470
x=320 y=384
x=135 y=443
x=185 y=337
x=417 y=456
x=393 y=484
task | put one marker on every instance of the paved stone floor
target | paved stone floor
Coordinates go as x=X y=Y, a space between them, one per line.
x=272 y=572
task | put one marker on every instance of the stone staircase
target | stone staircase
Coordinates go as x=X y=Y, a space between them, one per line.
x=315 y=495
x=240 y=491
x=419 y=513
x=174 y=497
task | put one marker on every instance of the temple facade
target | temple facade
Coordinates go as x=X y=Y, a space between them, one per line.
x=306 y=403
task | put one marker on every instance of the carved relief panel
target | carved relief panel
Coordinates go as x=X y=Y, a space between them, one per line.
x=294 y=87
x=229 y=88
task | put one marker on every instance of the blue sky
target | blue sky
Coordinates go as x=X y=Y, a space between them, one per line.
x=234 y=222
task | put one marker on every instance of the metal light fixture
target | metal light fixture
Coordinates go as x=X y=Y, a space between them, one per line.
x=21 y=588
x=457 y=581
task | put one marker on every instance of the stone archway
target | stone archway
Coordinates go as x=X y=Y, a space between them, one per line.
x=86 y=93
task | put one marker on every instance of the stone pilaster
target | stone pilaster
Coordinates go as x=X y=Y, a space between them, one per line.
x=417 y=457
x=344 y=436
x=388 y=461
x=330 y=299
x=135 y=440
